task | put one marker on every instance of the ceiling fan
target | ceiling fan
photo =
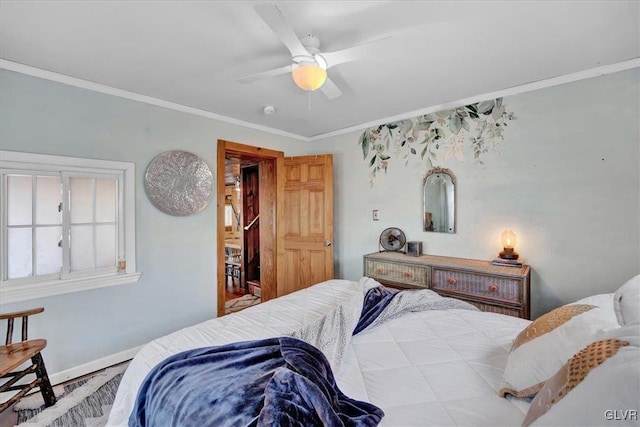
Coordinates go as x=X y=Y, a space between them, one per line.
x=308 y=65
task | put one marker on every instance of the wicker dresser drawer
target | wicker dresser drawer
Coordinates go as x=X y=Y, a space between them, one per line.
x=480 y=285
x=509 y=311
x=386 y=271
x=489 y=287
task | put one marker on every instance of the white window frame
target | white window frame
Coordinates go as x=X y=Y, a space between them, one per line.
x=22 y=290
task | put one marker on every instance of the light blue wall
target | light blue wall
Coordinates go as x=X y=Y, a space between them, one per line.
x=176 y=255
x=566 y=180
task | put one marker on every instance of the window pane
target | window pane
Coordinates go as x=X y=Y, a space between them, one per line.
x=48 y=253
x=228 y=216
x=81 y=200
x=18 y=200
x=19 y=253
x=105 y=200
x=105 y=246
x=48 y=198
x=82 y=249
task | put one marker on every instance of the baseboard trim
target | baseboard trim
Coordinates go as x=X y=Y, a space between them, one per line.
x=93 y=366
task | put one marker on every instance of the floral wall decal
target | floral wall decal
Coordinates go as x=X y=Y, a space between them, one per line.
x=436 y=136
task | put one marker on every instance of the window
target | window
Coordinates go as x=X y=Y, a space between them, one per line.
x=67 y=224
x=228 y=214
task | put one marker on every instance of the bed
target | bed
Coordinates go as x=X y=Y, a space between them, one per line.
x=419 y=359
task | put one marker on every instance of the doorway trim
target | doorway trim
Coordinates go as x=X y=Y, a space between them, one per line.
x=271 y=203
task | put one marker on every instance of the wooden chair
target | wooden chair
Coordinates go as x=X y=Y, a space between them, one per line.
x=13 y=355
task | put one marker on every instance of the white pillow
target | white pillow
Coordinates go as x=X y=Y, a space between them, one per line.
x=549 y=341
x=599 y=384
x=626 y=302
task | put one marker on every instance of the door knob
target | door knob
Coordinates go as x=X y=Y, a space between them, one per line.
x=327 y=243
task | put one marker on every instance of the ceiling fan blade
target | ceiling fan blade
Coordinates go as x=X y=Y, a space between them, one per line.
x=330 y=89
x=352 y=53
x=265 y=74
x=272 y=16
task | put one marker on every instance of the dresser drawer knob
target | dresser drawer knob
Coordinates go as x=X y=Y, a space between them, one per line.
x=408 y=274
x=493 y=288
x=453 y=281
x=379 y=269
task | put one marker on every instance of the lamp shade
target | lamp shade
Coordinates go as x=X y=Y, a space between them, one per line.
x=309 y=76
x=508 y=239
x=508 y=245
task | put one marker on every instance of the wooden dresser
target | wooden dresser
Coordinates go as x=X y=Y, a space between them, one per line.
x=489 y=287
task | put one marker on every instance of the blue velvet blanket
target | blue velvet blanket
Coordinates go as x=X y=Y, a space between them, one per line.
x=375 y=301
x=271 y=382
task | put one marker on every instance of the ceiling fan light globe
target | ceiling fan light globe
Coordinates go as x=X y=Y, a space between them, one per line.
x=309 y=76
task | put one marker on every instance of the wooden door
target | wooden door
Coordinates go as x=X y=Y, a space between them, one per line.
x=270 y=202
x=307 y=222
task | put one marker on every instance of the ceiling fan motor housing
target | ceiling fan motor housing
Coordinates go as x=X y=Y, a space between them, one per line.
x=311 y=43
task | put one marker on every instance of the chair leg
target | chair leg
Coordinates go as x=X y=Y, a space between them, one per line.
x=45 y=385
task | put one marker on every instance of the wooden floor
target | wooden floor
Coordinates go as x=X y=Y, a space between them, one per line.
x=233 y=290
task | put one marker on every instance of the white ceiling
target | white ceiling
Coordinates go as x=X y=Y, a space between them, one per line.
x=192 y=52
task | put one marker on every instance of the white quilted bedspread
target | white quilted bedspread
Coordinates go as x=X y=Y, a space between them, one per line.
x=437 y=368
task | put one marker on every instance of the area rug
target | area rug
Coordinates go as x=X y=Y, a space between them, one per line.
x=241 y=303
x=82 y=403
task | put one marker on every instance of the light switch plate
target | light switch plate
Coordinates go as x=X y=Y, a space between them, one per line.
x=376 y=214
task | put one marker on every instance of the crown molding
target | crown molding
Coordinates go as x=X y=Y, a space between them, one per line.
x=515 y=90
x=97 y=87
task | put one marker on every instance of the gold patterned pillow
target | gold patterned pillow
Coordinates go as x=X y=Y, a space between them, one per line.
x=547 y=343
x=548 y=322
x=599 y=383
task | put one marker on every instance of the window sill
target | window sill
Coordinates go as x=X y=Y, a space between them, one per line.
x=10 y=293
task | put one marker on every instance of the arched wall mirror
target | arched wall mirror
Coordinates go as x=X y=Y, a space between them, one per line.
x=439 y=201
